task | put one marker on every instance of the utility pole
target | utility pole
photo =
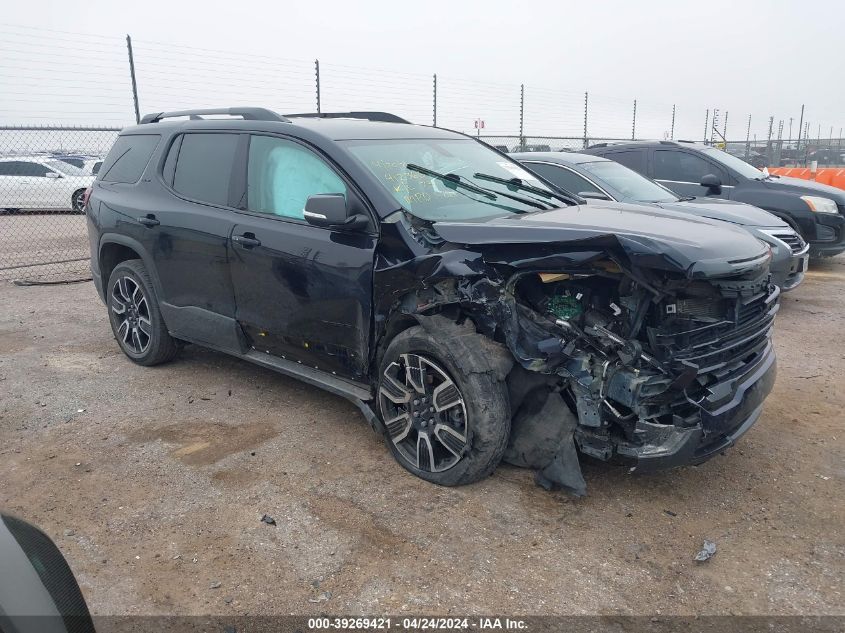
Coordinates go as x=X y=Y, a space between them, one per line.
x=706 y=123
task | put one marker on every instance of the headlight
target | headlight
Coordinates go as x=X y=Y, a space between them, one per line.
x=820 y=205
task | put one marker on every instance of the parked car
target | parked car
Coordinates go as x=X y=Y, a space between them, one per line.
x=691 y=169
x=471 y=312
x=599 y=178
x=827 y=156
x=752 y=157
x=88 y=164
x=36 y=182
x=532 y=147
x=38 y=591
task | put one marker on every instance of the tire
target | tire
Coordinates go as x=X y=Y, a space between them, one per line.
x=76 y=204
x=474 y=430
x=135 y=317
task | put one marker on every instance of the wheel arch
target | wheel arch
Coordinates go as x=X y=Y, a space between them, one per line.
x=115 y=248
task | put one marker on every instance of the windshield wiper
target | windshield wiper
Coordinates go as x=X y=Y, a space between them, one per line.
x=456 y=180
x=519 y=184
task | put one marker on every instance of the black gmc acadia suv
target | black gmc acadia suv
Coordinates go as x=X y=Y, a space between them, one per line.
x=470 y=310
x=691 y=169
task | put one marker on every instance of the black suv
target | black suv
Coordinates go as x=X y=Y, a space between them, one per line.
x=692 y=169
x=470 y=310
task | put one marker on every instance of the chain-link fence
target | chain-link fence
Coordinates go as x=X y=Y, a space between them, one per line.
x=110 y=80
x=44 y=173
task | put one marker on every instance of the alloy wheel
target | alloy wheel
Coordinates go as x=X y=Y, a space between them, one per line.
x=132 y=315
x=424 y=413
x=78 y=201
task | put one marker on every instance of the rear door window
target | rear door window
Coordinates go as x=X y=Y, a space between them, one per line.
x=632 y=159
x=562 y=177
x=22 y=168
x=682 y=166
x=204 y=167
x=128 y=158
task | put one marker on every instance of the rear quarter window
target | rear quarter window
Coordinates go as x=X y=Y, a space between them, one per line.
x=128 y=158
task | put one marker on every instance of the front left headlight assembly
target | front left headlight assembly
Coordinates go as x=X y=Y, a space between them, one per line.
x=820 y=205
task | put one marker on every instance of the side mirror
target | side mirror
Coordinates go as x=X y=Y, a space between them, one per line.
x=711 y=182
x=52 y=174
x=330 y=210
x=593 y=195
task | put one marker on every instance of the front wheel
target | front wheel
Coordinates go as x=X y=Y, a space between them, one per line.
x=446 y=416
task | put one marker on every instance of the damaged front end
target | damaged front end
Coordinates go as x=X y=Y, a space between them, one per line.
x=618 y=354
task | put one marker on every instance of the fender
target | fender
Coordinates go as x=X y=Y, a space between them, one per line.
x=135 y=245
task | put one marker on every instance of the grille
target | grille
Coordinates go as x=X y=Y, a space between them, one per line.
x=714 y=346
x=793 y=240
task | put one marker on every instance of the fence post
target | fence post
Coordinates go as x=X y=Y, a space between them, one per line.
x=706 y=123
x=586 y=104
x=634 y=123
x=132 y=76
x=800 y=126
x=521 y=117
x=672 y=132
x=435 y=100
x=317 y=73
x=748 y=138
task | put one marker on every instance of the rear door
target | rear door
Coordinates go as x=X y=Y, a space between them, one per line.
x=302 y=292
x=682 y=171
x=182 y=215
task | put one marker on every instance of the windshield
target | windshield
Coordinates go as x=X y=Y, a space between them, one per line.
x=737 y=164
x=65 y=168
x=630 y=184
x=433 y=198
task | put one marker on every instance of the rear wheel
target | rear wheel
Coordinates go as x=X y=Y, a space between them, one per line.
x=135 y=317
x=446 y=416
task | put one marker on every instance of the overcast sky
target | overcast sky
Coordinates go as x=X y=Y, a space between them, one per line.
x=743 y=57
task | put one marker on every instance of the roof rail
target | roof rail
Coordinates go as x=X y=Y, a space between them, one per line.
x=384 y=117
x=248 y=114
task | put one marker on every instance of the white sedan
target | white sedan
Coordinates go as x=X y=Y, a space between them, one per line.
x=35 y=182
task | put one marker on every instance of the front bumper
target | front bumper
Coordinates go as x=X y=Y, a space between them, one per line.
x=731 y=408
x=830 y=235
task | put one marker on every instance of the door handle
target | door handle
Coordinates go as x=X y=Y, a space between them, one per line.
x=247 y=240
x=149 y=220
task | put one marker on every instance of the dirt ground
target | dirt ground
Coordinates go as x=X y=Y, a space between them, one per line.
x=153 y=481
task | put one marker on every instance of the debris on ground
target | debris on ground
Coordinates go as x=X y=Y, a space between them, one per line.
x=322 y=597
x=707 y=551
x=266 y=518
x=215 y=585
x=670 y=513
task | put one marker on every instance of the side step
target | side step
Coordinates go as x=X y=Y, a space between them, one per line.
x=338 y=386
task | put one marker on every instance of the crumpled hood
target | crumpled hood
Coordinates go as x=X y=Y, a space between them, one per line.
x=806 y=187
x=727 y=210
x=647 y=236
